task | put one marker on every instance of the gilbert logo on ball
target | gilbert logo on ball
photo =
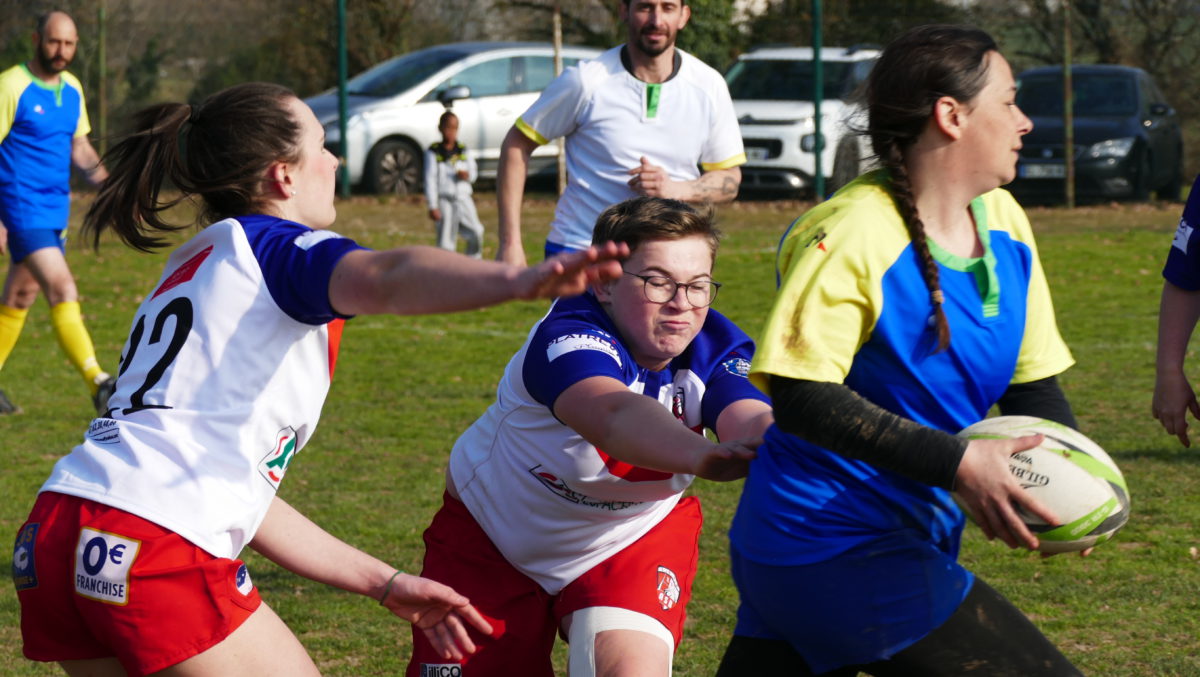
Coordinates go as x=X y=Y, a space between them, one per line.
x=1070 y=474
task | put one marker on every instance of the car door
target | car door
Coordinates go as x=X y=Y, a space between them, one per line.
x=1163 y=128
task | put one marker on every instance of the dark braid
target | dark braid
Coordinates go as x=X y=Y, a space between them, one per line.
x=906 y=204
x=914 y=71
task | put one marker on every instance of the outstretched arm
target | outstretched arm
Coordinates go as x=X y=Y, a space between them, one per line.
x=638 y=430
x=719 y=185
x=1173 y=394
x=290 y=539
x=510 y=192
x=420 y=280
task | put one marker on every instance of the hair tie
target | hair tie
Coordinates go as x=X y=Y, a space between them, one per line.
x=937 y=297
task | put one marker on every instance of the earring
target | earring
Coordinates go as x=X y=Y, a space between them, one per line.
x=293 y=193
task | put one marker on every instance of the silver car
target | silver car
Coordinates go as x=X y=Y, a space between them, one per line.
x=393 y=107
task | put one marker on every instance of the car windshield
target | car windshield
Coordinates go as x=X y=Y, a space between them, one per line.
x=787 y=80
x=1095 y=94
x=401 y=73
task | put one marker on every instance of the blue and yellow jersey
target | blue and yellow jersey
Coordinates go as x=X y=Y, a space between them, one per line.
x=38 y=124
x=854 y=308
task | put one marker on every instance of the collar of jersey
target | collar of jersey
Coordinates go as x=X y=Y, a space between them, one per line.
x=982 y=267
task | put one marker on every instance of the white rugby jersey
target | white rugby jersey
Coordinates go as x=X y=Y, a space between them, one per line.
x=221 y=383
x=553 y=504
x=611 y=120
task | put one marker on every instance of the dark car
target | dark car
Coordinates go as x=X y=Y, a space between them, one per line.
x=1127 y=138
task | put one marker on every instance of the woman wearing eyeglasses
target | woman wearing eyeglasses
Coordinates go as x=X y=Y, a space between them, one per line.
x=563 y=511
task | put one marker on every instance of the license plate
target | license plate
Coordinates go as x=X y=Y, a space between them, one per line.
x=1043 y=171
x=756 y=154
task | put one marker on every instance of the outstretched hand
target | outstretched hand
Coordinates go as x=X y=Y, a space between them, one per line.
x=442 y=614
x=991 y=493
x=572 y=273
x=727 y=461
x=1173 y=399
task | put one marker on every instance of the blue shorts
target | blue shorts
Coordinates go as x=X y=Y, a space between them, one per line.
x=554 y=248
x=862 y=606
x=22 y=243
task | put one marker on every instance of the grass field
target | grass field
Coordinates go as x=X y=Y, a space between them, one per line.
x=406 y=387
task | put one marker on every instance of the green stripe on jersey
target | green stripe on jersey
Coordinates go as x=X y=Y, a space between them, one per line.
x=653 y=92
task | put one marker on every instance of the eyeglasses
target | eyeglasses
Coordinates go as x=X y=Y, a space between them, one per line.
x=659 y=289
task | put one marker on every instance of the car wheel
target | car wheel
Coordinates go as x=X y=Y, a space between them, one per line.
x=394 y=166
x=845 y=163
x=1141 y=182
x=1174 y=185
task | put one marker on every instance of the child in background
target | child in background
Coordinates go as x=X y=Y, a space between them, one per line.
x=449 y=172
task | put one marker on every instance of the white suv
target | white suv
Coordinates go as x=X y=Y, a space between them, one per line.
x=772 y=90
x=393 y=107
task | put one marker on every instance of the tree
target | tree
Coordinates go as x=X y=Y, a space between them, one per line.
x=848 y=22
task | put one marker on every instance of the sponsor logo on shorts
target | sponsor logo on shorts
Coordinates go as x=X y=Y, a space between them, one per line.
x=571 y=342
x=24 y=572
x=274 y=465
x=668 y=588
x=104 y=431
x=738 y=366
x=102 y=564
x=560 y=488
x=242 y=578
x=441 y=670
x=1182 y=234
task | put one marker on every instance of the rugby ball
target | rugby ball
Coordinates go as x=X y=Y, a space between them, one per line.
x=1070 y=474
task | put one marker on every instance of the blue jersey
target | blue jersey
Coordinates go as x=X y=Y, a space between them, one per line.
x=853 y=308
x=38 y=125
x=1183 y=262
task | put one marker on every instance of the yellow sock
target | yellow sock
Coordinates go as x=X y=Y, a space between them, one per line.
x=11 y=321
x=75 y=341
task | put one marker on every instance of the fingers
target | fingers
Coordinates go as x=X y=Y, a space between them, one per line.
x=476 y=619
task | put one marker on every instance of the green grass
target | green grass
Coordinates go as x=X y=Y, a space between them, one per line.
x=406 y=387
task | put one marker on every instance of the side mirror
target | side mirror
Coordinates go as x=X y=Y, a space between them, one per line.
x=452 y=94
x=1160 y=109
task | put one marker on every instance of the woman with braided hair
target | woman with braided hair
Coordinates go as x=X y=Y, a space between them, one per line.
x=909 y=304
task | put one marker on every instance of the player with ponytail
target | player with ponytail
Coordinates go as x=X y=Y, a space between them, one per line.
x=910 y=303
x=128 y=563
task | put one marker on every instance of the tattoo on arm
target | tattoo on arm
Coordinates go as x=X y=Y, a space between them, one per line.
x=718 y=186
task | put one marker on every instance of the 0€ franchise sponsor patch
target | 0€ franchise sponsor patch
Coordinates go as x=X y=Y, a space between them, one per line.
x=102 y=564
x=1182 y=234
x=572 y=342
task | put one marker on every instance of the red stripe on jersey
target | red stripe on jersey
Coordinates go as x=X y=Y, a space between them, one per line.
x=185 y=272
x=631 y=473
x=335 y=343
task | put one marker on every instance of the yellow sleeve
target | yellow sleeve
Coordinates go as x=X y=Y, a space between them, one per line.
x=1044 y=353
x=12 y=84
x=84 y=126
x=832 y=264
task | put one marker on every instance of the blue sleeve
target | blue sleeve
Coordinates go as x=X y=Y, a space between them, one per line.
x=729 y=351
x=1183 y=261
x=563 y=353
x=297 y=263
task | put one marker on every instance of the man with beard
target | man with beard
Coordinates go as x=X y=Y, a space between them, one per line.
x=43 y=131
x=644 y=118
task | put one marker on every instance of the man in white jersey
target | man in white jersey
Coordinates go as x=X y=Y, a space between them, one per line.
x=564 y=510
x=641 y=119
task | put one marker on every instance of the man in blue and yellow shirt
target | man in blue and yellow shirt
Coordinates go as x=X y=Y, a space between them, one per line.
x=43 y=131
